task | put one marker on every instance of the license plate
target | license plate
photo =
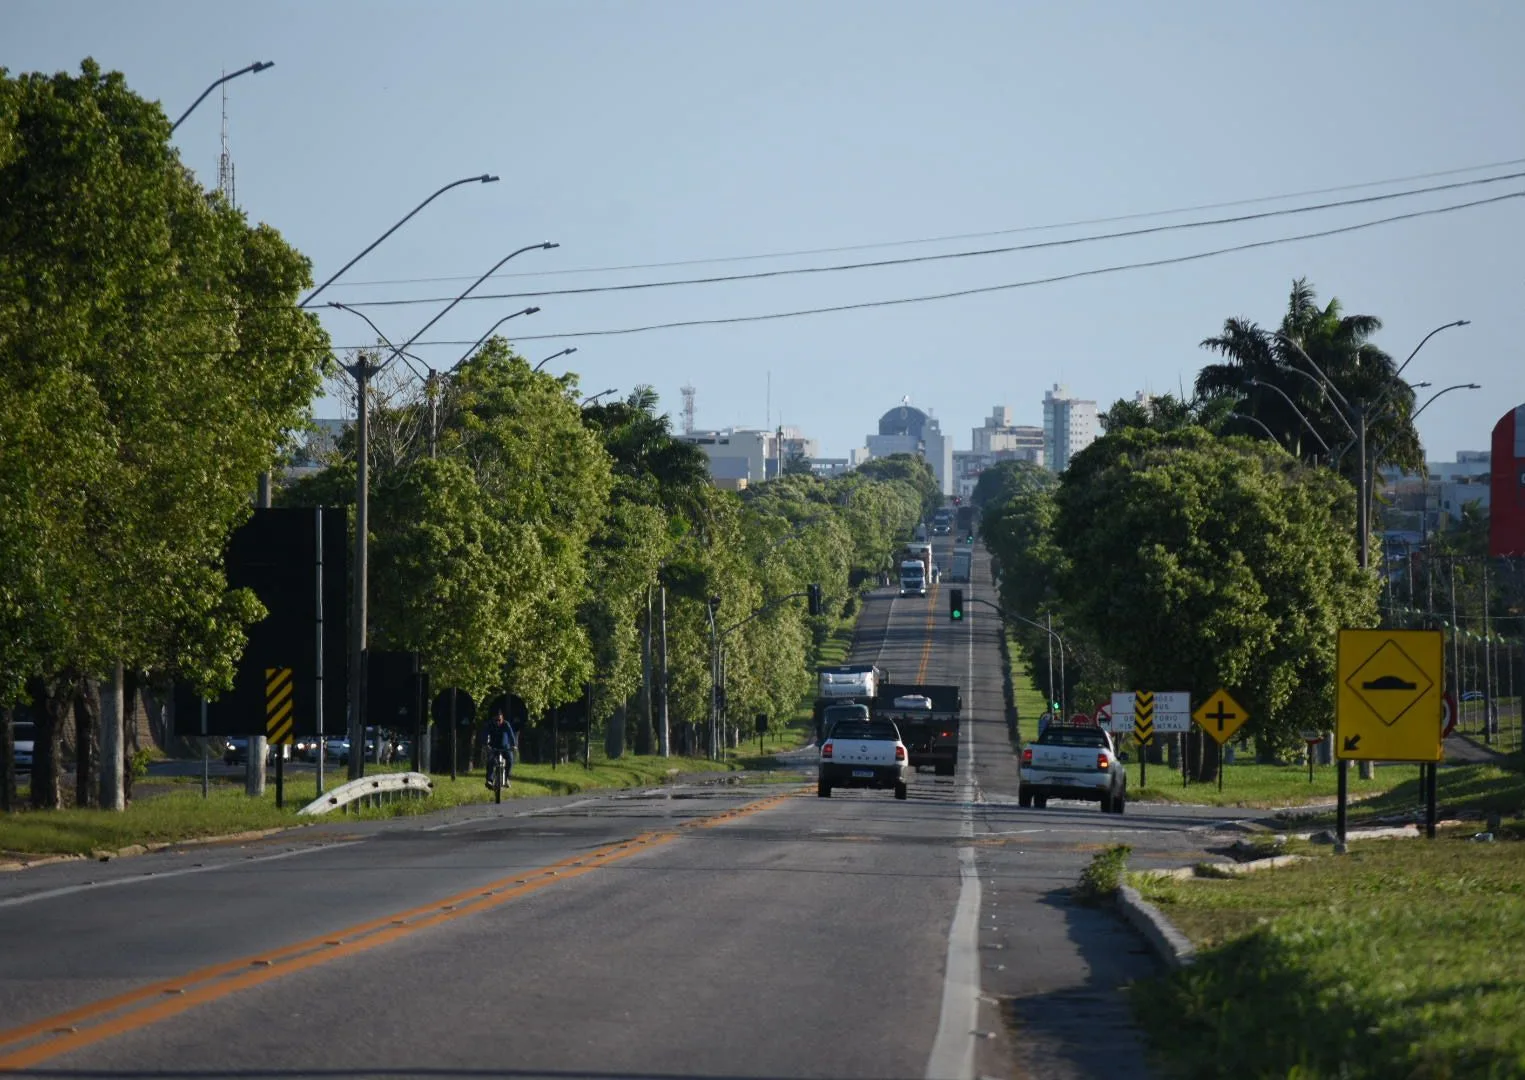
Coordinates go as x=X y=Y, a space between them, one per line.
x=864 y=772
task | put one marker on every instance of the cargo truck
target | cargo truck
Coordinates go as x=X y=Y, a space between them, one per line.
x=927 y=715
x=844 y=684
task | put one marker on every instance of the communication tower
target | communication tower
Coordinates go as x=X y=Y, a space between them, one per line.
x=688 y=409
x=225 y=160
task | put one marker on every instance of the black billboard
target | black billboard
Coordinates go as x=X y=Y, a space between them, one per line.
x=277 y=554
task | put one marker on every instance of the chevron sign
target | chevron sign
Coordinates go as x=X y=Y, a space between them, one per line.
x=1143 y=717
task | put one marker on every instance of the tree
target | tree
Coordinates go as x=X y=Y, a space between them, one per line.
x=152 y=353
x=1200 y=563
x=1006 y=479
x=911 y=469
x=1341 y=346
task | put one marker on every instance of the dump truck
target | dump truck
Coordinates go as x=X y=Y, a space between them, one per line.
x=927 y=715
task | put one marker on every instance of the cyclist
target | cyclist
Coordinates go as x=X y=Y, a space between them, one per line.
x=499 y=736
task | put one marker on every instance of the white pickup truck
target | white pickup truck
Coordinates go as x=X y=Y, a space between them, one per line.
x=1071 y=761
x=864 y=753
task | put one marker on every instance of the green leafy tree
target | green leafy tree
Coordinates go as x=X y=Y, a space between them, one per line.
x=911 y=469
x=1200 y=563
x=1006 y=479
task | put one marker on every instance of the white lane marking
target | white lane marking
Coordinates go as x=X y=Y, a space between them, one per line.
x=952 y=1056
x=520 y=814
x=141 y=879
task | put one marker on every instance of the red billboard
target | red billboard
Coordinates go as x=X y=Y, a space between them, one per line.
x=1506 y=513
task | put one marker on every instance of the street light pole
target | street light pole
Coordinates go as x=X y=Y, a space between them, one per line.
x=254 y=68
x=482 y=179
x=553 y=356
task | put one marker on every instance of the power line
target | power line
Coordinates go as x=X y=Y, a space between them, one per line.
x=932 y=297
x=1015 y=230
x=911 y=260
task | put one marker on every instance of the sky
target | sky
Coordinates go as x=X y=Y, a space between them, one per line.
x=671 y=131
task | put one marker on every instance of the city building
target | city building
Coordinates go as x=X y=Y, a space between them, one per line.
x=742 y=456
x=1069 y=426
x=999 y=435
x=906 y=429
x=1413 y=507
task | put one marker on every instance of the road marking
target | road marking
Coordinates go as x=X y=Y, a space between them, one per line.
x=952 y=1056
x=141 y=879
x=85 y=1025
x=926 y=647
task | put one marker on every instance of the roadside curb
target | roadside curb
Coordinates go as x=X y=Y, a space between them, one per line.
x=1172 y=946
x=18 y=861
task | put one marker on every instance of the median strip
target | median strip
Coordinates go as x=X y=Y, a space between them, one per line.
x=76 y=1028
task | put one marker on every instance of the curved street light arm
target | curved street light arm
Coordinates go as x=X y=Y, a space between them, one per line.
x=396 y=352
x=1287 y=398
x=1269 y=433
x=256 y=67
x=483 y=179
x=602 y=393
x=1327 y=382
x=1441 y=393
x=554 y=355
x=1432 y=333
x=531 y=247
x=468 y=353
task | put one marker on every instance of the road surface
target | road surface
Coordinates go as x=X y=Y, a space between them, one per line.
x=713 y=930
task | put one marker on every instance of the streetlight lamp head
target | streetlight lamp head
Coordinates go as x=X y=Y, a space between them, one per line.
x=1462 y=322
x=486 y=179
x=262 y=65
x=531 y=310
x=547 y=246
x=1474 y=386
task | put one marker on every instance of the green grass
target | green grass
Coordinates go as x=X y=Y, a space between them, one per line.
x=1103 y=876
x=1475 y=789
x=1252 y=785
x=1029 y=699
x=185 y=815
x=1401 y=959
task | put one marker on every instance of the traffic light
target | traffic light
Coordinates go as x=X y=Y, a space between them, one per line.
x=813 y=598
x=955 y=604
x=969 y=539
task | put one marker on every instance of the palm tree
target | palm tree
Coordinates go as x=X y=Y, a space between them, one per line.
x=1341 y=346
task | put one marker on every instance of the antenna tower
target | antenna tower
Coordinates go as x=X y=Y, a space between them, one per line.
x=225 y=160
x=688 y=409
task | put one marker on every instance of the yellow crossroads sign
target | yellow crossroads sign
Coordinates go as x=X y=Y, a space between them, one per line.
x=1389 y=695
x=1220 y=716
x=1143 y=717
x=279 y=723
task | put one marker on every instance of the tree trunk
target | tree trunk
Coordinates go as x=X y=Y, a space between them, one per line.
x=47 y=750
x=7 y=763
x=614 y=735
x=87 y=771
x=112 y=712
x=1202 y=757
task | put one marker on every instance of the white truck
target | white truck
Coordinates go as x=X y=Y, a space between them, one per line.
x=1073 y=761
x=864 y=753
x=913 y=578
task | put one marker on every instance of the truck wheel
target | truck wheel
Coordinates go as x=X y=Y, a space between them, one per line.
x=823 y=789
x=1107 y=804
x=1121 y=802
x=900 y=791
x=1024 y=799
x=1040 y=801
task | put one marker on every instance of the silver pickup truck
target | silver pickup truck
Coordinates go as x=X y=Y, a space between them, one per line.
x=864 y=753
x=1071 y=761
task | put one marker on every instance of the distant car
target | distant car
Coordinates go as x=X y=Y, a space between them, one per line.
x=236 y=751
x=941 y=530
x=1473 y=695
x=338 y=751
x=24 y=732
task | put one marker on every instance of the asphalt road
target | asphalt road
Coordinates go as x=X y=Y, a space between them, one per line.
x=713 y=930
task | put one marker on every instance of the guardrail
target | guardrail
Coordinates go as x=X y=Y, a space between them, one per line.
x=372 y=791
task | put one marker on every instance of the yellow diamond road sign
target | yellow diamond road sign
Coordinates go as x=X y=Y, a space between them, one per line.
x=1220 y=716
x=1388 y=704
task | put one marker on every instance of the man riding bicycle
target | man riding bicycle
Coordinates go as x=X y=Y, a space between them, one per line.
x=500 y=738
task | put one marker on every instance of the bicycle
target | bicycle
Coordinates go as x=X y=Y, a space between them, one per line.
x=497 y=772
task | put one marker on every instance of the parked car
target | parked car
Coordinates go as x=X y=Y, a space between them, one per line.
x=337 y=750
x=24 y=732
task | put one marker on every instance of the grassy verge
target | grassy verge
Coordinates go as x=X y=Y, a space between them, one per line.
x=185 y=815
x=1252 y=785
x=1024 y=692
x=1460 y=789
x=1404 y=958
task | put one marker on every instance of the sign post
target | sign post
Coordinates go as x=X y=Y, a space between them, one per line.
x=1143 y=730
x=1312 y=738
x=1389 y=703
x=1221 y=717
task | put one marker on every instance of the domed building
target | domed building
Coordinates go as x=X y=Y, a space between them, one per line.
x=906 y=429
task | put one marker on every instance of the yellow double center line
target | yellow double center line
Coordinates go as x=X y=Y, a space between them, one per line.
x=29 y=1044
x=926 y=646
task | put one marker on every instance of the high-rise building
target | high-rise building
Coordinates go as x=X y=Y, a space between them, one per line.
x=999 y=435
x=905 y=429
x=1069 y=426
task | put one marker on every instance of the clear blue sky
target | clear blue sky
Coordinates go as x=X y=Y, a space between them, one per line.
x=694 y=129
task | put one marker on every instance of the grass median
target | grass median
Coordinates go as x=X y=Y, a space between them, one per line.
x=179 y=815
x=1262 y=786
x=1404 y=958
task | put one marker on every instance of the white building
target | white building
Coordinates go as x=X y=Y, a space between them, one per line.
x=999 y=435
x=743 y=456
x=905 y=429
x=1069 y=426
x=1417 y=506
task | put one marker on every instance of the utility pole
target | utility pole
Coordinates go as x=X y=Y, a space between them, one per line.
x=361 y=371
x=113 y=793
x=254 y=767
x=646 y=687
x=664 y=732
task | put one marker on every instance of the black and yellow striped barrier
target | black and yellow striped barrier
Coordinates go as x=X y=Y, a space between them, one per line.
x=280 y=724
